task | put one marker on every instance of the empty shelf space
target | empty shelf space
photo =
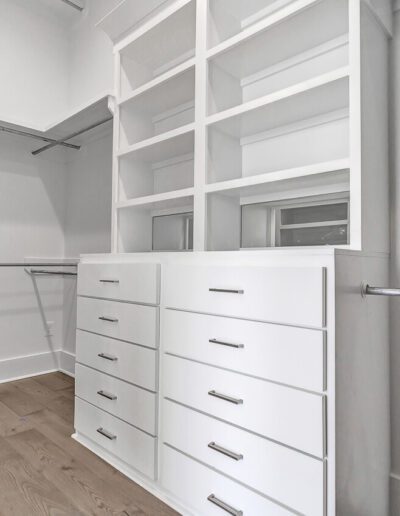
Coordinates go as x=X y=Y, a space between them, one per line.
x=165 y=42
x=282 y=56
x=160 y=225
x=228 y=18
x=301 y=126
x=224 y=208
x=139 y=178
x=162 y=108
x=128 y=15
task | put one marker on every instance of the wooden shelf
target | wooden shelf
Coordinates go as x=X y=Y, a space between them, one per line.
x=164 y=146
x=326 y=93
x=281 y=20
x=264 y=181
x=168 y=80
x=127 y=15
x=176 y=199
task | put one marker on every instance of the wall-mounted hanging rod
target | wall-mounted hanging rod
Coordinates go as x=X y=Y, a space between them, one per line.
x=37 y=137
x=380 y=291
x=44 y=272
x=63 y=140
x=72 y=4
x=37 y=264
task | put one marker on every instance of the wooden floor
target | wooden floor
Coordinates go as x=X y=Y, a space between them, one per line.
x=45 y=472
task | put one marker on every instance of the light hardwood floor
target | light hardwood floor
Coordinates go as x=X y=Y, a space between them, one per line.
x=45 y=472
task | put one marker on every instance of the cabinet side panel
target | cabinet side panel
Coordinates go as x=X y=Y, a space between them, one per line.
x=362 y=389
x=374 y=134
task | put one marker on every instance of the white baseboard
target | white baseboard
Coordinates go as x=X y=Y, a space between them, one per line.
x=67 y=363
x=33 y=365
x=394 y=495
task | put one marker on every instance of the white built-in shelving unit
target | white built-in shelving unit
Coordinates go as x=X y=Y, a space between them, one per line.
x=225 y=104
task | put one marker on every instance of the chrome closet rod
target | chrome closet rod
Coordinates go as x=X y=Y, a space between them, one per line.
x=37 y=137
x=37 y=264
x=73 y=135
x=381 y=291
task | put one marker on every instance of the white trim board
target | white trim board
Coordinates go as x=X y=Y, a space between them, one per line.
x=17 y=368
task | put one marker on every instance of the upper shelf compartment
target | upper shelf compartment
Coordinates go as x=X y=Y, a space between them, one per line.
x=163 y=43
x=127 y=15
x=282 y=51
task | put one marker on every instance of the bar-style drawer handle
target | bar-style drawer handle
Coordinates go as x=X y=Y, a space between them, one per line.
x=109 y=281
x=224 y=506
x=224 y=451
x=227 y=290
x=107 y=395
x=228 y=344
x=107 y=434
x=111 y=358
x=109 y=319
x=235 y=401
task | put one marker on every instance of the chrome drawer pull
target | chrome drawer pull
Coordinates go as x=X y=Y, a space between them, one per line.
x=224 y=451
x=107 y=434
x=112 y=358
x=109 y=319
x=236 y=401
x=226 y=290
x=107 y=395
x=109 y=281
x=229 y=344
x=224 y=506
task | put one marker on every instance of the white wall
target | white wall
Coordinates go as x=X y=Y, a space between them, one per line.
x=34 y=59
x=32 y=214
x=90 y=56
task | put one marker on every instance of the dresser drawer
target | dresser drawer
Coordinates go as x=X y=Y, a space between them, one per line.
x=192 y=483
x=125 y=321
x=290 y=477
x=288 y=295
x=135 y=364
x=137 y=282
x=122 y=440
x=265 y=350
x=284 y=414
x=132 y=404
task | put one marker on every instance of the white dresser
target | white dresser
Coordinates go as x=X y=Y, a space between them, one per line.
x=273 y=380
x=117 y=361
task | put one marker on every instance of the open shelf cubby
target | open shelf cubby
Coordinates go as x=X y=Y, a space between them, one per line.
x=166 y=105
x=297 y=127
x=278 y=56
x=158 y=46
x=159 y=165
x=161 y=223
x=246 y=216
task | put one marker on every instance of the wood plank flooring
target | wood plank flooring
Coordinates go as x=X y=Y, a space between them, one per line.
x=45 y=472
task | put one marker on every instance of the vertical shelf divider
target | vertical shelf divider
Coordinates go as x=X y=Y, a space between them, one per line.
x=200 y=146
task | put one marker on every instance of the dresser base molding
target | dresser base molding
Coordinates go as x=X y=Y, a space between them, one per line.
x=131 y=473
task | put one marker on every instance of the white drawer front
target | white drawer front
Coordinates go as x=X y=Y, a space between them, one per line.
x=132 y=404
x=287 y=295
x=193 y=483
x=284 y=414
x=129 y=444
x=290 y=477
x=265 y=350
x=134 y=323
x=138 y=282
x=129 y=362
